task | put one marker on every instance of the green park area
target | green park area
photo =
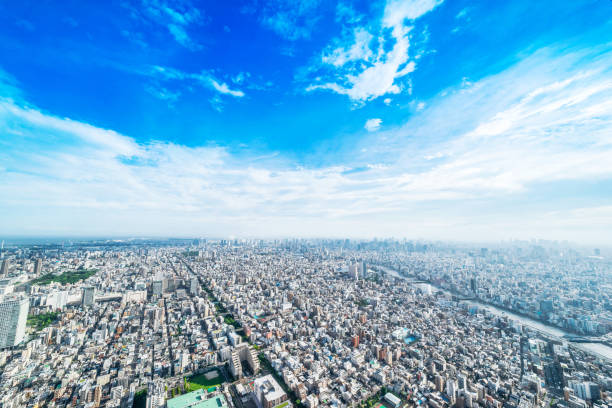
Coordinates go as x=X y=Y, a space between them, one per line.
x=207 y=380
x=42 y=320
x=65 y=277
x=140 y=399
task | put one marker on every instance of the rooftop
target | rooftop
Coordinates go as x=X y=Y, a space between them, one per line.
x=197 y=399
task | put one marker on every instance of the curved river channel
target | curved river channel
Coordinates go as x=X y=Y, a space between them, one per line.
x=599 y=349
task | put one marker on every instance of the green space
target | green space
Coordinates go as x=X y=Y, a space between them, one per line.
x=198 y=381
x=190 y=253
x=64 y=278
x=362 y=302
x=140 y=399
x=374 y=399
x=43 y=320
x=283 y=405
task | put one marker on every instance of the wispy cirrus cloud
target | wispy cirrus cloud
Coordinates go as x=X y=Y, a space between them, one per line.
x=176 y=16
x=204 y=79
x=491 y=157
x=365 y=64
x=291 y=20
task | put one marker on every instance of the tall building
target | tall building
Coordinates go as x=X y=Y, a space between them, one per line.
x=4 y=269
x=236 y=365
x=473 y=285
x=194 y=286
x=13 y=317
x=241 y=353
x=38 y=267
x=89 y=293
x=157 y=288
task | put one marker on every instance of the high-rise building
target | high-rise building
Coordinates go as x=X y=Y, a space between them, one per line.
x=473 y=285
x=38 y=267
x=157 y=288
x=355 y=341
x=13 y=317
x=354 y=271
x=194 y=286
x=88 y=298
x=4 y=269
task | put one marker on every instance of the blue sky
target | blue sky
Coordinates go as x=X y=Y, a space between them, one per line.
x=418 y=118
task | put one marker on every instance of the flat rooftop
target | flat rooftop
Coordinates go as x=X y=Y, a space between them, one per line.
x=197 y=399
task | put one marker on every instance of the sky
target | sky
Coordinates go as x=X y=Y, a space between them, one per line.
x=423 y=119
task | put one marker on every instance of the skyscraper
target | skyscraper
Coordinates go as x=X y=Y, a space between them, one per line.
x=194 y=286
x=13 y=317
x=4 y=269
x=38 y=267
x=89 y=293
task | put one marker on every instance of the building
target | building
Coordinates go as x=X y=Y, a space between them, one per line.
x=243 y=352
x=89 y=293
x=197 y=399
x=585 y=390
x=13 y=317
x=394 y=401
x=157 y=288
x=473 y=285
x=194 y=287
x=38 y=267
x=236 y=365
x=268 y=392
x=156 y=394
x=4 y=269
x=6 y=286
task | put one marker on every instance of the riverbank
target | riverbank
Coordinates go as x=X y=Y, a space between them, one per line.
x=600 y=350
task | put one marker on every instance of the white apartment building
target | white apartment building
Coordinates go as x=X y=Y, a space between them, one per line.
x=13 y=317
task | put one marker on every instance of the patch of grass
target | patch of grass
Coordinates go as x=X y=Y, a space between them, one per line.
x=283 y=405
x=195 y=382
x=64 y=278
x=42 y=320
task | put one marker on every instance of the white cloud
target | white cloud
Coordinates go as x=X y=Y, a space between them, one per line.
x=373 y=125
x=397 y=11
x=223 y=88
x=292 y=20
x=365 y=69
x=204 y=78
x=359 y=50
x=177 y=19
x=477 y=162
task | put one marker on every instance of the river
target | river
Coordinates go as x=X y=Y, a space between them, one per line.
x=599 y=349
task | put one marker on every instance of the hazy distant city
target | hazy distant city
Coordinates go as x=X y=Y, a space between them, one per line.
x=277 y=323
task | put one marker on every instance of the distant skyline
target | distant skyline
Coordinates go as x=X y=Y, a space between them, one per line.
x=440 y=120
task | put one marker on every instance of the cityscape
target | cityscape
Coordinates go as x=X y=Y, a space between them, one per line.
x=304 y=323
x=306 y=204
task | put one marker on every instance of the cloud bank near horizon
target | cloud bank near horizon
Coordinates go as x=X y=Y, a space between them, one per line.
x=522 y=153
